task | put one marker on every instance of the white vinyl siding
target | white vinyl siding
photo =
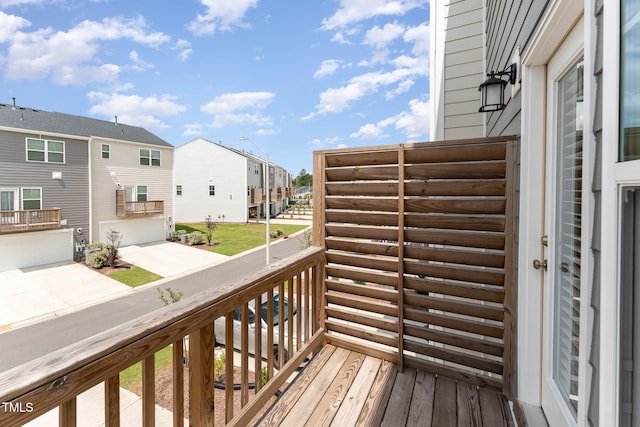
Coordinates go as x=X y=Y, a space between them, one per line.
x=124 y=170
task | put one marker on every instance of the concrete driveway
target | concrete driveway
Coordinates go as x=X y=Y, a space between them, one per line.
x=169 y=259
x=37 y=293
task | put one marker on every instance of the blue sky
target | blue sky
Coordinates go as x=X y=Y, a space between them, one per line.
x=291 y=76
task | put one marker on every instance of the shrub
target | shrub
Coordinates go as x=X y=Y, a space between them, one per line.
x=276 y=234
x=218 y=367
x=99 y=259
x=180 y=232
x=196 y=238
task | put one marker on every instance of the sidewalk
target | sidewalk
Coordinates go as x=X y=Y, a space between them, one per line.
x=90 y=406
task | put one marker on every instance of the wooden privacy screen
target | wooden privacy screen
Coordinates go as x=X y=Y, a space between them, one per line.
x=435 y=221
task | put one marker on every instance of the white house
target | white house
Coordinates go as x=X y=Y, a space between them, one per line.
x=224 y=183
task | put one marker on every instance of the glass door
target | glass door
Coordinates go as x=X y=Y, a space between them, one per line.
x=563 y=228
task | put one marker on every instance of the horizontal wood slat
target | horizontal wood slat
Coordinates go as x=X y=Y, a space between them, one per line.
x=422 y=188
x=423 y=235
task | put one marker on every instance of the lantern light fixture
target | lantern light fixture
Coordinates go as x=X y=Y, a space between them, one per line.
x=492 y=89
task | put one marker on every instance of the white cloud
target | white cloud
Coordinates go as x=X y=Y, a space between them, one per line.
x=240 y=108
x=381 y=37
x=8 y=3
x=135 y=110
x=220 y=15
x=339 y=38
x=354 y=11
x=138 y=63
x=336 y=100
x=9 y=25
x=69 y=57
x=413 y=123
x=184 y=49
x=328 y=67
x=329 y=142
x=420 y=36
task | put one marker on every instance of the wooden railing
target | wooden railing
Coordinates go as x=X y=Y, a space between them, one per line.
x=421 y=254
x=57 y=379
x=125 y=208
x=30 y=220
x=257 y=196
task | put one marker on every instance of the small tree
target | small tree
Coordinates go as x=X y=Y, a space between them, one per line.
x=211 y=226
x=113 y=239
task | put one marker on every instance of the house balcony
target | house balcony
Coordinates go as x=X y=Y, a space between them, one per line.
x=256 y=196
x=290 y=192
x=402 y=313
x=127 y=209
x=29 y=220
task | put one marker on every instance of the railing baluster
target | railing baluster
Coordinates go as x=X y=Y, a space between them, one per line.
x=178 y=383
x=228 y=369
x=258 y=344
x=291 y=320
x=300 y=311
x=270 y=313
x=281 y=314
x=148 y=391
x=112 y=401
x=67 y=413
x=244 y=364
x=201 y=376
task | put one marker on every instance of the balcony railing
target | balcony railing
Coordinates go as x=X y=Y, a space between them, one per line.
x=126 y=208
x=414 y=264
x=256 y=196
x=55 y=380
x=30 y=220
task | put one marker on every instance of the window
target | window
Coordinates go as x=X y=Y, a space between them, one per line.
x=629 y=84
x=31 y=198
x=43 y=150
x=178 y=190
x=106 y=151
x=141 y=193
x=149 y=157
x=212 y=190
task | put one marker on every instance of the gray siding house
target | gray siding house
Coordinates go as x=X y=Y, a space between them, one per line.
x=49 y=201
x=574 y=106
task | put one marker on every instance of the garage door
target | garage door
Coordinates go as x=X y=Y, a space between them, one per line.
x=24 y=250
x=135 y=231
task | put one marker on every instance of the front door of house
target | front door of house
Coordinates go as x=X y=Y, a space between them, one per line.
x=562 y=241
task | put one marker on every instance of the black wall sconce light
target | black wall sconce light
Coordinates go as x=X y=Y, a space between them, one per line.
x=492 y=89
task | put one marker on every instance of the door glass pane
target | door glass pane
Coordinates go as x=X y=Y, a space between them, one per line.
x=129 y=193
x=630 y=84
x=7 y=200
x=629 y=313
x=566 y=262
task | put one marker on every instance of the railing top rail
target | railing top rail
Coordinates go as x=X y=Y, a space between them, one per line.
x=97 y=358
x=418 y=145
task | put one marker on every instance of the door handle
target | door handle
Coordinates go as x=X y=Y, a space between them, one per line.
x=537 y=264
x=564 y=267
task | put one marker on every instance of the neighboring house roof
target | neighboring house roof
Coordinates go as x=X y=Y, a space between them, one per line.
x=67 y=124
x=242 y=153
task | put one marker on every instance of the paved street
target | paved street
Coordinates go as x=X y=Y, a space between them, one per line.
x=34 y=340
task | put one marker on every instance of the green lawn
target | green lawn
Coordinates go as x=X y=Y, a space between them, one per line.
x=134 y=276
x=131 y=378
x=231 y=239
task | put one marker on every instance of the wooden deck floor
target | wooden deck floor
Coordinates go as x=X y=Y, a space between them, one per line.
x=345 y=388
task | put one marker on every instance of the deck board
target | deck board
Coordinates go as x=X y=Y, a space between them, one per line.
x=343 y=388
